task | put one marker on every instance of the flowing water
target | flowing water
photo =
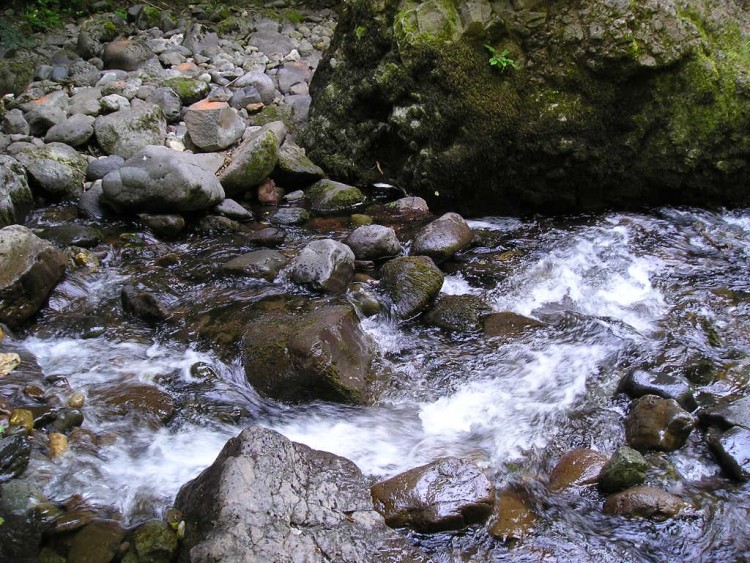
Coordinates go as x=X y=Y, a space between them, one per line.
x=668 y=290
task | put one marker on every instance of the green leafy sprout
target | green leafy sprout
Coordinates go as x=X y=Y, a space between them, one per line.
x=501 y=60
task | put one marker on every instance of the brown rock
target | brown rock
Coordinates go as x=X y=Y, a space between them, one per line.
x=655 y=423
x=577 y=467
x=58 y=445
x=268 y=193
x=97 y=542
x=644 y=502
x=23 y=418
x=509 y=324
x=139 y=400
x=513 y=517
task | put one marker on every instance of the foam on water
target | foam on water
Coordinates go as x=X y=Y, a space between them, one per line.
x=456 y=284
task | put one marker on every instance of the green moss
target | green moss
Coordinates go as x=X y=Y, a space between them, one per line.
x=293 y=16
x=264 y=159
x=431 y=22
x=274 y=113
x=190 y=90
x=151 y=16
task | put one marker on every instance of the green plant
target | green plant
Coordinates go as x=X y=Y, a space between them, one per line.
x=501 y=60
x=2 y=521
x=42 y=15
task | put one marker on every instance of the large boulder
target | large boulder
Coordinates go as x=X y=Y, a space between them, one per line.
x=370 y=242
x=447 y=494
x=126 y=54
x=324 y=264
x=213 y=126
x=16 y=199
x=594 y=104
x=410 y=283
x=57 y=169
x=294 y=170
x=655 y=423
x=127 y=131
x=442 y=238
x=251 y=162
x=327 y=196
x=266 y=498
x=158 y=179
x=29 y=269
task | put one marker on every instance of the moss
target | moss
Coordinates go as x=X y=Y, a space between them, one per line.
x=190 y=90
x=274 y=113
x=263 y=160
x=150 y=16
x=293 y=16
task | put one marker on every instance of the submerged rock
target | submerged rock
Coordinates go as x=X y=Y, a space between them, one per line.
x=98 y=541
x=266 y=498
x=732 y=449
x=448 y=494
x=577 y=467
x=657 y=424
x=626 y=468
x=513 y=518
x=15 y=452
x=508 y=324
x=644 y=502
x=263 y=263
x=411 y=283
x=459 y=313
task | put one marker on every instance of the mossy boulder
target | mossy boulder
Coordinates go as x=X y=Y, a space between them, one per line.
x=410 y=283
x=190 y=90
x=626 y=468
x=327 y=196
x=610 y=104
x=17 y=71
x=16 y=199
x=251 y=162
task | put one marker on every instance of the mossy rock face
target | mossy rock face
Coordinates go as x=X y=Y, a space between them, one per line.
x=190 y=90
x=327 y=196
x=17 y=71
x=611 y=104
x=410 y=284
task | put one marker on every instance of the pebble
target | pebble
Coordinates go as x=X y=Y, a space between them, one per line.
x=58 y=445
x=76 y=401
x=23 y=418
x=8 y=362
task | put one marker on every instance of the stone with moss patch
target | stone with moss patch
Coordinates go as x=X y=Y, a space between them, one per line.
x=410 y=283
x=190 y=90
x=327 y=196
x=252 y=162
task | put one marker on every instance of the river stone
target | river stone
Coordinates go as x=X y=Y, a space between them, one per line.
x=125 y=132
x=644 y=502
x=213 y=126
x=508 y=324
x=169 y=102
x=269 y=236
x=98 y=541
x=577 y=468
x=459 y=313
x=325 y=265
x=243 y=97
x=99 y=168
x=327 y=196
x=57 y=169
x=732 y=449
x=72 y=235
x=142 y=401
x=293 y=356
x=67 y=418
x=16 y=199
x=14 y=123
x=14 y=457
x=86 y=101
x=153 y=540
x=163 y=225
x=74 y=131
x=266 y=498
x=44 y=112
x=90 y=204
x=442 y=238
x=513 y=518
x=94 y=33
x=410 y=283
x=655 y=423
x=262 y=83
x=126 y=54
x=83 y=74
x=114 y=102
x=190 y=90
x=233 y=210
x=626 y=468
x=370 y=242
x=294 y=170
x=158 y=179
x=29 y=269
x=670 y=386
x=447 y=494
x=263 y=263
x=289 y=216
x=143 y=303
x=736 y=413
x=251 y=162
x=21 y=533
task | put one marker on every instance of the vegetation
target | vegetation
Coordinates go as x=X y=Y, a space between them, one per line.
x=500 y=61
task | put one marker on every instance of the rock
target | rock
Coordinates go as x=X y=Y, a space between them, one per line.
x=23 y=418
x=233 y=210
x=732 y=449
x=141 y=401
x=508 y=324
x=264 y=264
x=289 y=216
x=126 y=54
x=168 y=225
x=410 y=283
x=447 y=494
x=44 y=112
x=98 y=541
x=86 y=101
x=83 y=74
x=14 y=123
x=736 y=413
x=29 y=269
x=244 y=97
x=360 y=220
x=669 y=386
x=373 y=241
x=657 y=424
x=169 y=102
x=16 y=199
x=459 y=313
x=644 y=502
x=114 y=102
x=291 y=74
x=89 y=205
x=213 y=126
x=21 y=533
x=270 y=41
x=100 y=167
x=158 y=179
x=74 y=131
x=190 y=90
x=577 y=468
x=14 y=456
x=626 y=468
x=72 y=235
x=324 y=264
x=261 y=82
x=8 y=362
x=327 y=196
x=94 y=33
x=275 y=500
x=143 y=303
x=442 y=238
x=58 y=445
x=57 y=169
x=76 y=400
x=513 y=518
x=218 y=224
x=128 y=131
x=153 y=540
x=268 y=193
x=67 y=418
x=411 y=206
x=291 y=355
x=251 y=162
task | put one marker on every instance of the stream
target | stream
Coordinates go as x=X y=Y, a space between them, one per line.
x=667 y=290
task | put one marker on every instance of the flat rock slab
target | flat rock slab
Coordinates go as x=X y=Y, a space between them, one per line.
x=125 y=132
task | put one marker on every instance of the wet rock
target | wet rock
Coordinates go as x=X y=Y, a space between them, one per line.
x=14 y=123
x=293 y=356
x=325 y=265
x=448 y=494
x=76 y=400
x=251 y=162
x=16 y=199
x=411 y=283
x=73 y=235
x=577 y=468
x=169 y=225
x=626 y=468
x=29 y=269
x=158 y=179
x=143 y=303
x=100 y=167
x=264 y=264
x=169 y=102
x=655 y=423
x=58 y=445
x=8 y=362
x=513 y=518
x=213 y=126
x=373 y=241
x=640 y=382
x=732 y=449
x=218 y=224
x=189 y=90
x=294 y=170
x=644 y=502
x=269 y=236
x=233 y=210
x=126 y=54
x=67 y=418
x=266 y=498
x=142 y=401
x=128 y=131
x=21 y=533
x=736 y=413
x=289 y=216
x=508 y=324
x=57 y=169
x=442 y=238
x=97 y=542
x=154 y=541
x=459 y=313
x=15 y=452
x=327 y=196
